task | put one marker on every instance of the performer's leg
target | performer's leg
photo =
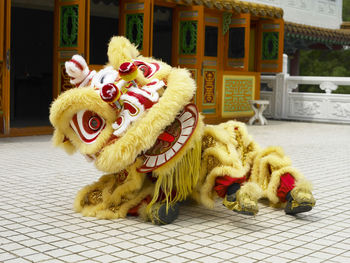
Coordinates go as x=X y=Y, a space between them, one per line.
x=159 y=213
x=298 y=197
x=280 y=182
x=228 y=153
x=239 y=196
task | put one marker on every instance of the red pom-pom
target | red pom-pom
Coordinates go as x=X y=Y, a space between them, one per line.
x=109 y=93
x=127 y=68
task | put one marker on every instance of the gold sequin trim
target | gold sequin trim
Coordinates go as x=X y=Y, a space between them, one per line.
x=212 y=162
x=93 y=198
x=119 y=180
x=114 y=208
x=208 y=141
x=241 y=148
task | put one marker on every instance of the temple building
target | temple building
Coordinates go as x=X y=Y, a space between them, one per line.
x=226 y=45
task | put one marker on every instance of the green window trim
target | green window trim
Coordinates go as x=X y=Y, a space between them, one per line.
x=270 y=45
x=135 y=22
x=188 y=37
x=69 y=26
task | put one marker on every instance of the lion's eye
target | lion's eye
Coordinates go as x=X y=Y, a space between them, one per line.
x=144 y=70
x=87 y=125
x=95 y=123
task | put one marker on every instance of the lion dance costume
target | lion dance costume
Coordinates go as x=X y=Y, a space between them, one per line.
x=134 y=119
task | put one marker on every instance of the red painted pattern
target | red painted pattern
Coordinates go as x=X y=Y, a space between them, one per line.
x=146 y=69
x=85 y=122
x=119 y=120
x=143 y=100
x=130 y=108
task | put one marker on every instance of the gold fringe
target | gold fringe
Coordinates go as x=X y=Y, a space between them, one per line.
x=182 y=178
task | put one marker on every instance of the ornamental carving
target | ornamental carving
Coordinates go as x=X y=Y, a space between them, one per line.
x=193 y=73
x=209 y=87
x=292 y=85
x=328 y=87
x=188 y=37
x=227 y=16
x=69 y=26
x=308 y=108
x=65 y=83
x=270 y=46
x=341 y=110
x=134 y=29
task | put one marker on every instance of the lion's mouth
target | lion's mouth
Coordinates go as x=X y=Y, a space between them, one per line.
x=93 y=157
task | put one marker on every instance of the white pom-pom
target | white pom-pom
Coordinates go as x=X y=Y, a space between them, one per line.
x=77 y=69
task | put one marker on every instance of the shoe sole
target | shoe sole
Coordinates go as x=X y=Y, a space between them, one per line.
x=247 y=213
x=303 y=207
x=167 y=217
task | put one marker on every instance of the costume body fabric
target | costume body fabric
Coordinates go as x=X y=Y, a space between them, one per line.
x=134 y=119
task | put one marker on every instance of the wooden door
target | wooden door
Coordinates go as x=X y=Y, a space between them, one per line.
x=69 y=39
x=237 y=38
x=212 y=65
x=2 y=27
x=189 y=42
x=270 y=45
x=5 y=55
x=136 y=23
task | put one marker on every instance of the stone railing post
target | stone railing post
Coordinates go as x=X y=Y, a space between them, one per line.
x=328 y=87
x=281 y=91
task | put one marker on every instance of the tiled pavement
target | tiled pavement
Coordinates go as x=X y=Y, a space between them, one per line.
x=37 y=223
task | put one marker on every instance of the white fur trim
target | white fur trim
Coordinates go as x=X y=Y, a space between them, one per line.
x=77 y=74
x=87 y=79
x=104 y=76
x=120 y=129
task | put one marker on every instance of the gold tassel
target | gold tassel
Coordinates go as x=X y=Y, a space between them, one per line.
x=182 y=178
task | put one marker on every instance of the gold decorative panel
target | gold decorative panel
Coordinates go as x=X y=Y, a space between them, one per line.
x=209 y=87
x=237 y=91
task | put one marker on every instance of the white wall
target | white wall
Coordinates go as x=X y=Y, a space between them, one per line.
x=320 y=13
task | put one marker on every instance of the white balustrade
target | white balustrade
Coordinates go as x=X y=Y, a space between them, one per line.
x=285 y=103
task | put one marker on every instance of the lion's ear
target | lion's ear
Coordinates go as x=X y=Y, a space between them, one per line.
x=60 y=140
x=121 y=50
